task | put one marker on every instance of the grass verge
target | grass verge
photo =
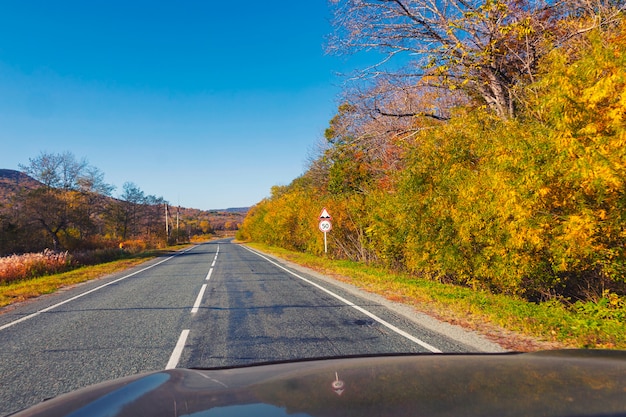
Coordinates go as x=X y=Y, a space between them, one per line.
x=23 y=290
x=512 y=322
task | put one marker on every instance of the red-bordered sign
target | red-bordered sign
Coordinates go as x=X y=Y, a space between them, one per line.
x=325 y=215
x=325 y=225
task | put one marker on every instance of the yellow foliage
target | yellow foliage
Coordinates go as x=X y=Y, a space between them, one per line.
x=518 y=206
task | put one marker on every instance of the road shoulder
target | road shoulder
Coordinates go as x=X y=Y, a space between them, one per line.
x=467 y=337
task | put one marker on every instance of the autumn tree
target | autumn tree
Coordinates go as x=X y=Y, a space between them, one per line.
x=152 y=221
x=69 y=199
x=581 y=99
x=125 y=212
x=205 y=226
x=531 y=205
x=488 y=49
x=61 y=171
x=135 y=215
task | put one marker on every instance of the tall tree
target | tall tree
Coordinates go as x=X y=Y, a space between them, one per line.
x=60 y=170
x=132 y=201
x=48 y=209
x=488 y=48
x=91 y=200
x=68 y=197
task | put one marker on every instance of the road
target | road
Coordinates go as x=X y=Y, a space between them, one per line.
x=215 y=304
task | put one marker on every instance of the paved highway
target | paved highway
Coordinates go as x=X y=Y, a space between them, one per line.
x=215 y=304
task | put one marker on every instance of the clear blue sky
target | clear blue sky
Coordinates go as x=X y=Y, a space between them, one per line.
x=206 y=103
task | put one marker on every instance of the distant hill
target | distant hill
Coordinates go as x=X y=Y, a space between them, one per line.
x=11 y=182
x=243 y=210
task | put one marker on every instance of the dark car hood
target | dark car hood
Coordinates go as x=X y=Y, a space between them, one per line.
x=556 y=383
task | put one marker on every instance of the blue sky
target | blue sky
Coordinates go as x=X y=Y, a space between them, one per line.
x=205 y=103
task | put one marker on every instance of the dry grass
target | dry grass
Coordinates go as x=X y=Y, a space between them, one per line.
x=20 y=267
x=28 y=287
x=23 y=290
x=33 y=265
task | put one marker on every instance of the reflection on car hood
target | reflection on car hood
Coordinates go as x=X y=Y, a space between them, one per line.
x=553 y=383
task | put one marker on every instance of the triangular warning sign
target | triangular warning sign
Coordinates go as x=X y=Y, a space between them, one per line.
x=325 y=214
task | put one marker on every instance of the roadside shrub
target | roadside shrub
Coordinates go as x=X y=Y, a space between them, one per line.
x=30 y=265
x=98 y=256
x=133 y=246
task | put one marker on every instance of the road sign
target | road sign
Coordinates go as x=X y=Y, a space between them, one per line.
x=325 y=226
x=325 y=214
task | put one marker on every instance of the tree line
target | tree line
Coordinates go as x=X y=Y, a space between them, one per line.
x=487 y=147
x=72 y=208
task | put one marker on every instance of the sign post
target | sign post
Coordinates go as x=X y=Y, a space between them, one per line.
x=325 y=226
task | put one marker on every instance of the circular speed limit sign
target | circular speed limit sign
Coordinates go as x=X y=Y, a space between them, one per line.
x=325 y=226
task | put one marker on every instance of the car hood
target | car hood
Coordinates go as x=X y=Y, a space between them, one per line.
x=552 y=383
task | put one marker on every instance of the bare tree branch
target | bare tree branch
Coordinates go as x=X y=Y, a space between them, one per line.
x=488 y=48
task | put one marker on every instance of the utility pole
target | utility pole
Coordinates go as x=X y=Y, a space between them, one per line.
x=177 y=216
x=167 y=225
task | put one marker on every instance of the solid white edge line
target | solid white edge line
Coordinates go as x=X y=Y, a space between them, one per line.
x=196 y=305
x=178 y=350
x=35 y=314
x=208 y=276
x=356 y=307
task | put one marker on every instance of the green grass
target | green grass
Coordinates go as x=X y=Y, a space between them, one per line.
x=513 y=322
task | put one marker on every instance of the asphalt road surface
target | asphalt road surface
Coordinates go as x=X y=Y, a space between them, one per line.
x=215 y=304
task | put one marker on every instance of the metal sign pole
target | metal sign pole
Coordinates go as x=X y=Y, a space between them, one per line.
x=325 y=244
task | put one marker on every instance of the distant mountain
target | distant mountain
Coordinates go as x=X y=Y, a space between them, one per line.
x=243 y=210
x=11 y=182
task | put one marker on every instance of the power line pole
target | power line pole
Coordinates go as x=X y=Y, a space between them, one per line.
x=177 y=229
x=167 y=225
